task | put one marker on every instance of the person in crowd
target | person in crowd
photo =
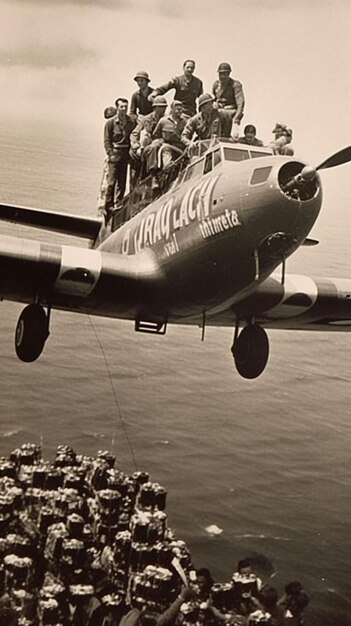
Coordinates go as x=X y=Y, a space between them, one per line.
x=245 y=586
x=140 y=103
x=108 y=113
x=117 y=145
x=188 y=88
x=167 y=144
x=229 y=94
x=139 y=617
x=294 y=601
x=282 y=140
x=142 y=136
x=267 y=600
x=250 y=136
x=205 y=582
x=208 y=122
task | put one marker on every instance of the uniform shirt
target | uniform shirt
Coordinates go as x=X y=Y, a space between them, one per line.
x=256 y=142
x=186 y=91
x=178 y=125
x=219 y=123
x=147 y=124
x=230 y=94
x=117 y=136
x=140 y=104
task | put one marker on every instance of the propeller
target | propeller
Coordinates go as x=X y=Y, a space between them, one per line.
x=343 y=156
x=308 y=173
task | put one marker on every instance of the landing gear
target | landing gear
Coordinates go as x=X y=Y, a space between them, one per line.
x=250 y=351
x=32 y=331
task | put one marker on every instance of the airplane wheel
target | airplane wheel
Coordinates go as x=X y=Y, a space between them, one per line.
x=31 y=333
x=250 y=351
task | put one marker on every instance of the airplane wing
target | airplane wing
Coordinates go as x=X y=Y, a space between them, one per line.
x=302 y=303
x=65 y=223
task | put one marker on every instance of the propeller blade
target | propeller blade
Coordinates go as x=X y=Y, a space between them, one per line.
x=343 y=156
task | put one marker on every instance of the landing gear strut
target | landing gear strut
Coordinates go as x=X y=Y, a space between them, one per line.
x=32 y=331
x=250 y=351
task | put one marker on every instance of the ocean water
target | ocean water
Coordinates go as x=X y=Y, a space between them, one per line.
x=267 y=461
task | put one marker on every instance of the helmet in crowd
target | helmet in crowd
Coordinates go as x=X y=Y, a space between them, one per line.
x=204 y=98
x=109 y=112
x=142 y=74
x=159 y=101
x=168 y=127
x=224 y=67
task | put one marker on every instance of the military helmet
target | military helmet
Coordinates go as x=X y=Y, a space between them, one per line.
x=224 y=67
x=142 y=74
x=204 y=98
x=160 y=101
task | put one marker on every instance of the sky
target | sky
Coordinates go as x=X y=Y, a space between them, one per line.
x=66 y=60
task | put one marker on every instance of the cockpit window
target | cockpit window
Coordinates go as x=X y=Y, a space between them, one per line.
x=255 y=154
x=211 y=160
x=194 y=170
x=260 y=175
x=235 y=154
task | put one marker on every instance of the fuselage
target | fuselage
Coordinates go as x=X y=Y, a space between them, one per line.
x=222 y=227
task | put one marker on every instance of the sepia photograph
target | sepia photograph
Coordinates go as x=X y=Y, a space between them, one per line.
x=175 y=290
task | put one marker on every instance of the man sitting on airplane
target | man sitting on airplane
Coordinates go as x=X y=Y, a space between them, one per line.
x=281 y=143
x=167 y=144
x=250 y=136
x=142 y=136
x=209 y=122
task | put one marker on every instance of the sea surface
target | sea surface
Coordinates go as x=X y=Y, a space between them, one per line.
x=268 y=461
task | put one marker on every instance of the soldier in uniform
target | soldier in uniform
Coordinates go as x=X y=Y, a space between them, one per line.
x=168 y=134
x=140 y=103
x=229 y=94
x=250 y=136
x=187 y=88
x=142 y=136
x=282 y=140
x=117 y=144
x=208 y=122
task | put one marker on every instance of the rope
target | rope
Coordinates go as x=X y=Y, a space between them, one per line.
x=117 y=405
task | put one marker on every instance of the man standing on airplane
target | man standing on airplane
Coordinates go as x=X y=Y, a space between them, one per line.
x=117 y=144
x=229 y=94
x=208 y=122
x=140 y=103
x=187 y=88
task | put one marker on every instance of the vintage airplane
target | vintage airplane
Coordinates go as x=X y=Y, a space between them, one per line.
x=202 y=249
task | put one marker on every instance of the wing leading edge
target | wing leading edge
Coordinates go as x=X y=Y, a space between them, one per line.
x=65 y=223
x=302 y=303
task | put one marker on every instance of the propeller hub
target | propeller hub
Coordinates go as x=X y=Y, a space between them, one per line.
x=308 y=173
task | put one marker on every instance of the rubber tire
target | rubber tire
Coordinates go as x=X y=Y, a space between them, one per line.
x=251 y=351
x=31 y=333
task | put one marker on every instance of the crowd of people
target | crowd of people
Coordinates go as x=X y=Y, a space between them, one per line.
x=83 y=544
x=147 y=139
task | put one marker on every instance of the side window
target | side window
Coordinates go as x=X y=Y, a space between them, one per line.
x=260 y=175
x=208 y=163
